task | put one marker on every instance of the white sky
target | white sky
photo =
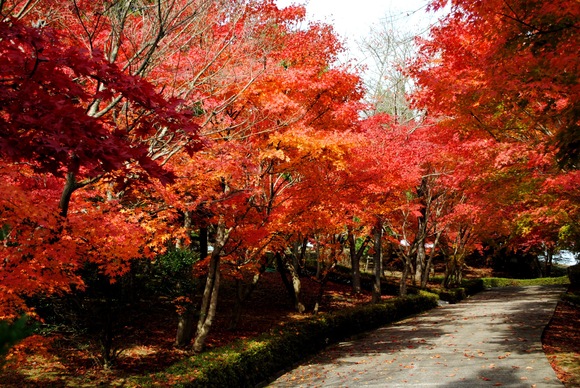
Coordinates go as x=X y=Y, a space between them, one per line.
x=353 y=19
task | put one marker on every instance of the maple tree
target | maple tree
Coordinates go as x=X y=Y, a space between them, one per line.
x=506 y=68
x=507 y=71
x=51 y=147
x=261 y=135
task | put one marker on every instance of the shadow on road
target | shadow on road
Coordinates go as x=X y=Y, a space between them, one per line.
x=491 y=339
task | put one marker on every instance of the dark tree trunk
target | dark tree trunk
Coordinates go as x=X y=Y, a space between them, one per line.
x=355 y=256
x=453 y=271
x=378 y=261
x=425 y=277
x=69 y=188
x=210 y=293
x=293 y=286
x=322 y=284
x=405 y=274
x=203 y=246
x=243 y=293
x=549 y=261
x=185 y=325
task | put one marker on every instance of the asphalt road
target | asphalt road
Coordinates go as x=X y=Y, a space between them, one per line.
x=492 y=339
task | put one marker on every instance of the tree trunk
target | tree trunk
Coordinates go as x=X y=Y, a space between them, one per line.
x=185 y=316
x=355 y=257
x=453 y=271
x=299 y=254
x=243 y=293
x=404 y=276
x=106 y=337
x=203 y=246
x=185 y=326
x=549 y=260
x=421 y=262
x=425 y=277
x=293 y=287
x=69 y=188
x=322 y=284
x=378 y=261
x=180 y=243
x=210 y=293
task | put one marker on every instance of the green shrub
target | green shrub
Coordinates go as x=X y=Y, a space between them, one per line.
x=12 y=333
x=454 y=295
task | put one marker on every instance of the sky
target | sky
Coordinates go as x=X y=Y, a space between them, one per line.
x=352 y=20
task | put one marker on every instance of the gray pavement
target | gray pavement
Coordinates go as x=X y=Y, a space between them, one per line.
x=489 y=340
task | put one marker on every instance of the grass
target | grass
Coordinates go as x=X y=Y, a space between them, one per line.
x=505 y=282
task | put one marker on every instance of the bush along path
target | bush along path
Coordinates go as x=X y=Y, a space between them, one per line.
x=491 y=339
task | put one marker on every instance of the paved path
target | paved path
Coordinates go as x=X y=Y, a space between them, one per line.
x=491 y=339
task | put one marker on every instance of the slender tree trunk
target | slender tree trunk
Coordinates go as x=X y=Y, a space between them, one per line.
x=321 y=288
x=453 y=271
x=421 y=261
x=404 y=275
x=549 y=260
x=180 y=243
x=185 y=326
x=425 y=277
x=106 y=337
x=354 y=264
x=203 y=246
x=355 y=256
x=71 y=185
x=210 y=293
x=186 y=314
x=298 y=254
x=243 y=293
x=293 y=286
x=185 y=317
x=378 y=259
x=209 y=304
x=69 y=188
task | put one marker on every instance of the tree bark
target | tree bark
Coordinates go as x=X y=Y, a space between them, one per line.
x=425 y=277
x=355 y=256
x=549 y=260
x=203 y=246
x=378 y=261
x=404 y=275
x=421 y=262
x=210 y=293
x=185 y=327
x=243 y=293
x=322 y=284
x=293 y=286
x=69 y=188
